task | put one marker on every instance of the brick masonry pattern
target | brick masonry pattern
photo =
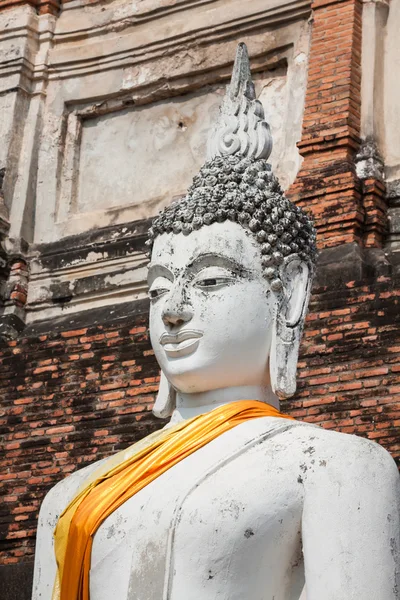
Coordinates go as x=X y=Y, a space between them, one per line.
x=67 y=399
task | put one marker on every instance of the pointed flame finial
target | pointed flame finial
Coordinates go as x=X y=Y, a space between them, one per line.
x=241 y=128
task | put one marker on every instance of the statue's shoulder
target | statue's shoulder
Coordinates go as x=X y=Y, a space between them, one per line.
x=61 y=494
x=345 y=454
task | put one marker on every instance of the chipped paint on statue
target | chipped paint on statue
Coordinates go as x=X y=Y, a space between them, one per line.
x=235 y=206
x=212 y=283
x=272 y=504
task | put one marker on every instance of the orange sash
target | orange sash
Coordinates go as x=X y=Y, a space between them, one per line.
x=125 y=474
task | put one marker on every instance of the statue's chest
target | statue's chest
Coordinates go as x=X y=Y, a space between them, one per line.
x=222 y=511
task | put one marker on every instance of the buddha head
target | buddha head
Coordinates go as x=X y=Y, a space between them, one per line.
x=231 y=265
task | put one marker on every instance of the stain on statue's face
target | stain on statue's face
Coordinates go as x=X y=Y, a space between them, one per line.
x=211 y=314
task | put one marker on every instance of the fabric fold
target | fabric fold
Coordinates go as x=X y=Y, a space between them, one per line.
x=123 y=475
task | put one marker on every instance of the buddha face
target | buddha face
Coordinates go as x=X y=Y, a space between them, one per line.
x=212 y=311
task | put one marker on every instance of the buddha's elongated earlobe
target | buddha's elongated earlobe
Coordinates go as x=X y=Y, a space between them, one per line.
x=165 y=403
x=288 y=326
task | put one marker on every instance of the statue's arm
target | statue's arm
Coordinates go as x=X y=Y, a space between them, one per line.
x=351 y=524
x=55 y=501
x=45 y=563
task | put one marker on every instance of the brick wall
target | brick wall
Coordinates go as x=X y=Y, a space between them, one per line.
x=68 y=398
x=349 y=369
x=327 y=184
x=345 y=208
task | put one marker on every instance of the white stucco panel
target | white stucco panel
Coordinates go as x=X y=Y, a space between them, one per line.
x=145 y=154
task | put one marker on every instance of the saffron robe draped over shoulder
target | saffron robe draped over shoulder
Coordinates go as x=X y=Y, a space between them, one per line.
x=125 y=474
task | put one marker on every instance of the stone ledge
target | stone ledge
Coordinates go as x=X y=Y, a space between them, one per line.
x=108 y=268
x=87 y=318
x=88 y=271
x=135 y=47
x=336 y=267
x=55 y=255
x=350 y=262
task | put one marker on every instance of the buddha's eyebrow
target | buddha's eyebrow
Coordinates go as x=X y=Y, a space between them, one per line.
x=157 y=270
x=219 y=260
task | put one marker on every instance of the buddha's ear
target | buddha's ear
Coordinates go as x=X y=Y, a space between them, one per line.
x=165 y=403
x=292 y=304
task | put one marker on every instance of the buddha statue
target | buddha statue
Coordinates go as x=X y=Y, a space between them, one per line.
x=231 y=500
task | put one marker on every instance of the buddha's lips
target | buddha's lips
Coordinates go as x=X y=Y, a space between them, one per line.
x=181 y=336
x=180 y=344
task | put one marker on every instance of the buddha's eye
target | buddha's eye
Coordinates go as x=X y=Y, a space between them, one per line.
x=209 y=282
x=154 y=294
x=159 y=287
x=212 y=282
x=213 y=279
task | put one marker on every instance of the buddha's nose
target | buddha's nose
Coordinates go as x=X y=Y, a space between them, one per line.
x=176 y=317
x=177 y=311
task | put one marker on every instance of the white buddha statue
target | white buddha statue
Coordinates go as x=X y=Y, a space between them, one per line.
x=270 y=504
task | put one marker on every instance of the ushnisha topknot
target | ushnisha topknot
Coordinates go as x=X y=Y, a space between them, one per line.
x=245 y=191
x=237 y=183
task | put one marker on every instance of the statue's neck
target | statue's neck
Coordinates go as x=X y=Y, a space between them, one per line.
x=191 y=405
